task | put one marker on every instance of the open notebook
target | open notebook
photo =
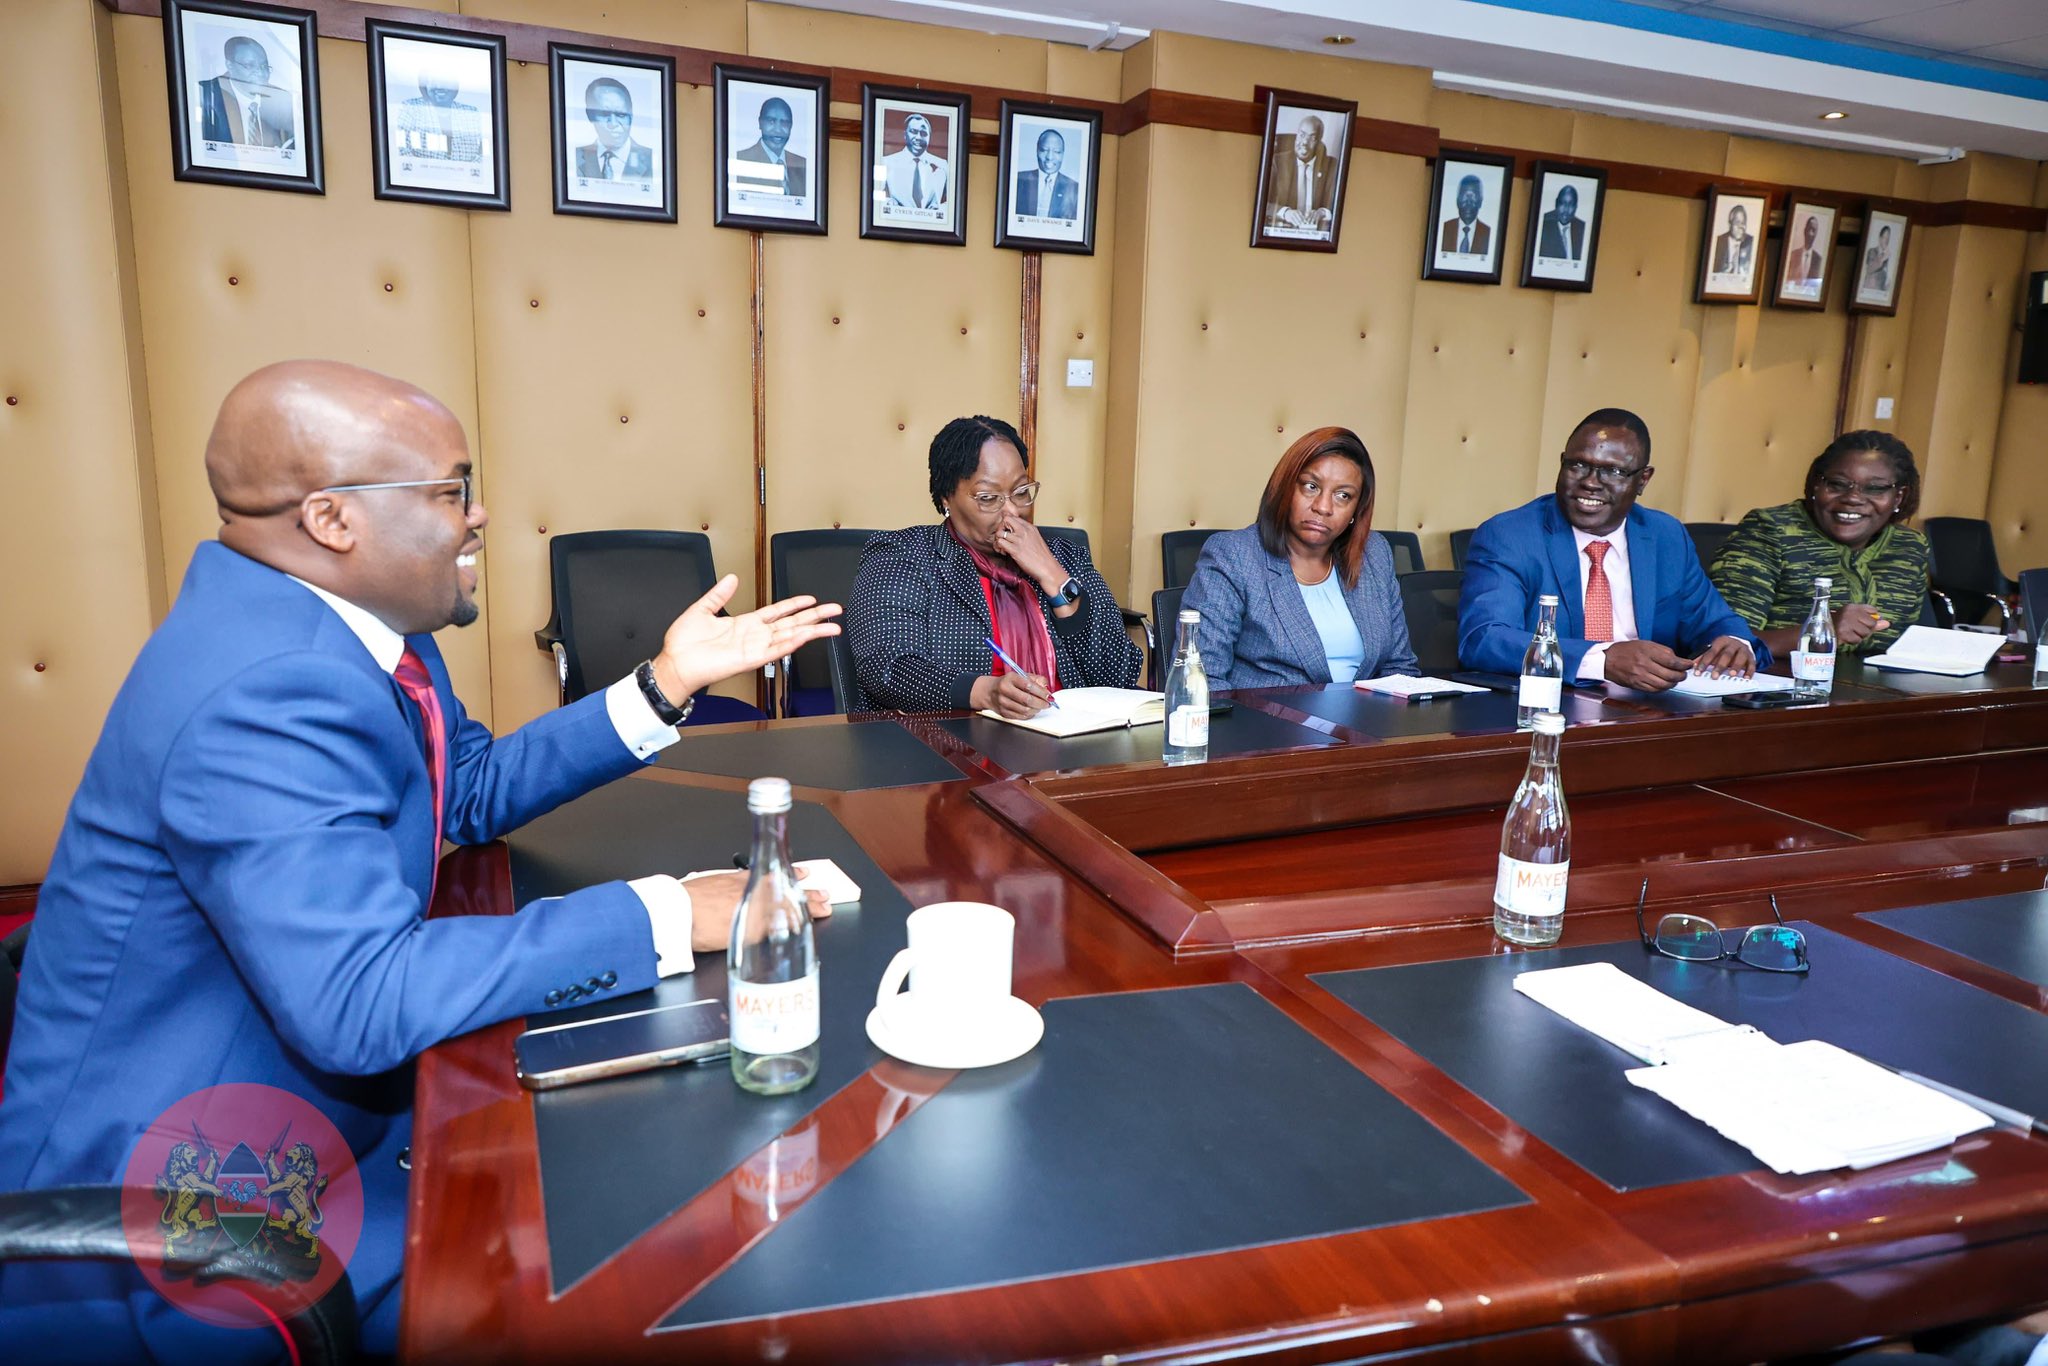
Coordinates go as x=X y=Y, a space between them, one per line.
x=1080 y=711
x=1931 y=650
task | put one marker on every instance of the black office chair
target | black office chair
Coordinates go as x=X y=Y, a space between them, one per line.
x=1966 y=571
x=1933 y=612
x=823 y=564
x=839 y=667
x=1461 y=541
x=1407 y=548
x=1429 y=599
x=1708 y=538
x=1166 y=612
x=1178 y=552
x=615 y=593
x=83 y=1223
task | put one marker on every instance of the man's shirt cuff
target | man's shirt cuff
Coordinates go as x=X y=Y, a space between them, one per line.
x=640 y=730
x=668 y=916
x=1593 y=664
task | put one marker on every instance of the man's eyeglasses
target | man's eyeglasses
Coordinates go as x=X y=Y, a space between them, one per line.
x=465 y=480
x=1613 y=478
x=1023 y=496
x=1842 y=488
x=1695 y=939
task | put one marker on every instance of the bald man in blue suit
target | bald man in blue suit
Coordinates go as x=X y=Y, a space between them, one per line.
x=240 y=888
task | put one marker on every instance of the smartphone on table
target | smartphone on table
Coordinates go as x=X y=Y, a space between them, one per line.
x=585 y=1050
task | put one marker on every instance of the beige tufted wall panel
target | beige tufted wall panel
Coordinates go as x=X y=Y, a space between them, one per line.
x=2018 y=506
x=1633 y=342
x=73 y=553
x=872 y=347
x=309 y=278
x=1964 y=305
x=1123 y=388
x=1249 y=349
x=1766 y=407
x=1817 y=168
x=1207 y=66
x=929 y=52
x=583 y=322
x=1478 y=359
x=1602 y=137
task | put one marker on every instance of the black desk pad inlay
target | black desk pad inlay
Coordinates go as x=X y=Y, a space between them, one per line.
x=2009 y=933
x=1566 y=1086
x=848 y=758
x=1241 y=730
x=1390 y=718
x=679 y=1129
x=1996 y=677
x=1147 y=1125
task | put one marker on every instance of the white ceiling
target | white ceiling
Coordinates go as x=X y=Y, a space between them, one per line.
x=1658 y=66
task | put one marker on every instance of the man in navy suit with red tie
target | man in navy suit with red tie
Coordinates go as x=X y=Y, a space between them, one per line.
x=239 y=894
x=1634 y=606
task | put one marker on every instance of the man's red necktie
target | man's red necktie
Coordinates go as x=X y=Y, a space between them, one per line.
x=412 y=676
x=1599 y=594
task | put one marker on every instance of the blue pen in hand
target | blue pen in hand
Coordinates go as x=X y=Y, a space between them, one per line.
x=1014 y=667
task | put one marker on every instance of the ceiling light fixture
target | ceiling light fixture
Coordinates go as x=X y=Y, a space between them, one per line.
x=1833 y=114
x=1340 y=40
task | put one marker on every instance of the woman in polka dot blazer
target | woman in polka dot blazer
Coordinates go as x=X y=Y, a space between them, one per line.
x=928 y=599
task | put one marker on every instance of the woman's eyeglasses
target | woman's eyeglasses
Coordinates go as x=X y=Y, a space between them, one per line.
x=1023 y=496
x=1842 y=488
x=1695 y=939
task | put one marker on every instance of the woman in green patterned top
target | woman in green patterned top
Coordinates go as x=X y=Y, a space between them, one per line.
x=1850 y=528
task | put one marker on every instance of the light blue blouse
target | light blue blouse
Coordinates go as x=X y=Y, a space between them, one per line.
x=1342 y=645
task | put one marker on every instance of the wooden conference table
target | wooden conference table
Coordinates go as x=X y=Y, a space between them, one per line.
x=1287 y=1105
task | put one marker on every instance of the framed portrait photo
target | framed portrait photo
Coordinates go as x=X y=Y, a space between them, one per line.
x=1468 y=215
x=1563 y=242
x=612 y=118
x=1805 y=263
x=1732 y=248
x=914 y=146
x=437 y=115
x=1880 y=261
x=1048 y=170
x=245 y=95
x=770 y=168
x=1303 y=159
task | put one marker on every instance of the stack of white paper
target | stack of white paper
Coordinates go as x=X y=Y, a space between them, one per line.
x=1728 y=685
x=1810 y=1107
x=1801 y=1108
x=1931 y=650
x=1401 y=685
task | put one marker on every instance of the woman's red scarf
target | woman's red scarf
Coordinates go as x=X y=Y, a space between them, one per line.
x=1019 y=624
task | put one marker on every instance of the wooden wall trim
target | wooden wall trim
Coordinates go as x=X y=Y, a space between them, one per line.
x=762 y=589
x=344 y=19
x=1029 y=305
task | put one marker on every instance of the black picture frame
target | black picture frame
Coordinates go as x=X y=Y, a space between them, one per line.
x=1714 y=285
x=1543 y=268
x=579 y=188
x=1441 y=258
x=1881 y=221
x=1278 y=222
x=796 y=198
x=1019 y=228
x=1800 y=282
x=284 y=151
x=890 y=182
x=427 y=148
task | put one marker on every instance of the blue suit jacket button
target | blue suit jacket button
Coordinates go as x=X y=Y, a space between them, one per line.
x=553 y=998
x=572 y=992
x=610 y=980
x=593 y=986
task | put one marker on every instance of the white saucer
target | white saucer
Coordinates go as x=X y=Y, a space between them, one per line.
x=1009 y=1031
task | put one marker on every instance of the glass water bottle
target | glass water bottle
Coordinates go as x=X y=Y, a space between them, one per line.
x=772 y=962
x=1187 y=696
x=1535 y=846
x=1542 y=687
x=1813 y=663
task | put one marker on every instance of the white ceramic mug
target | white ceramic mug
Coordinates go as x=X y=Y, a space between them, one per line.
x=958 y=965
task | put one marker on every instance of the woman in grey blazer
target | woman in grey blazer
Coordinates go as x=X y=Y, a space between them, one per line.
x=1306 y=594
